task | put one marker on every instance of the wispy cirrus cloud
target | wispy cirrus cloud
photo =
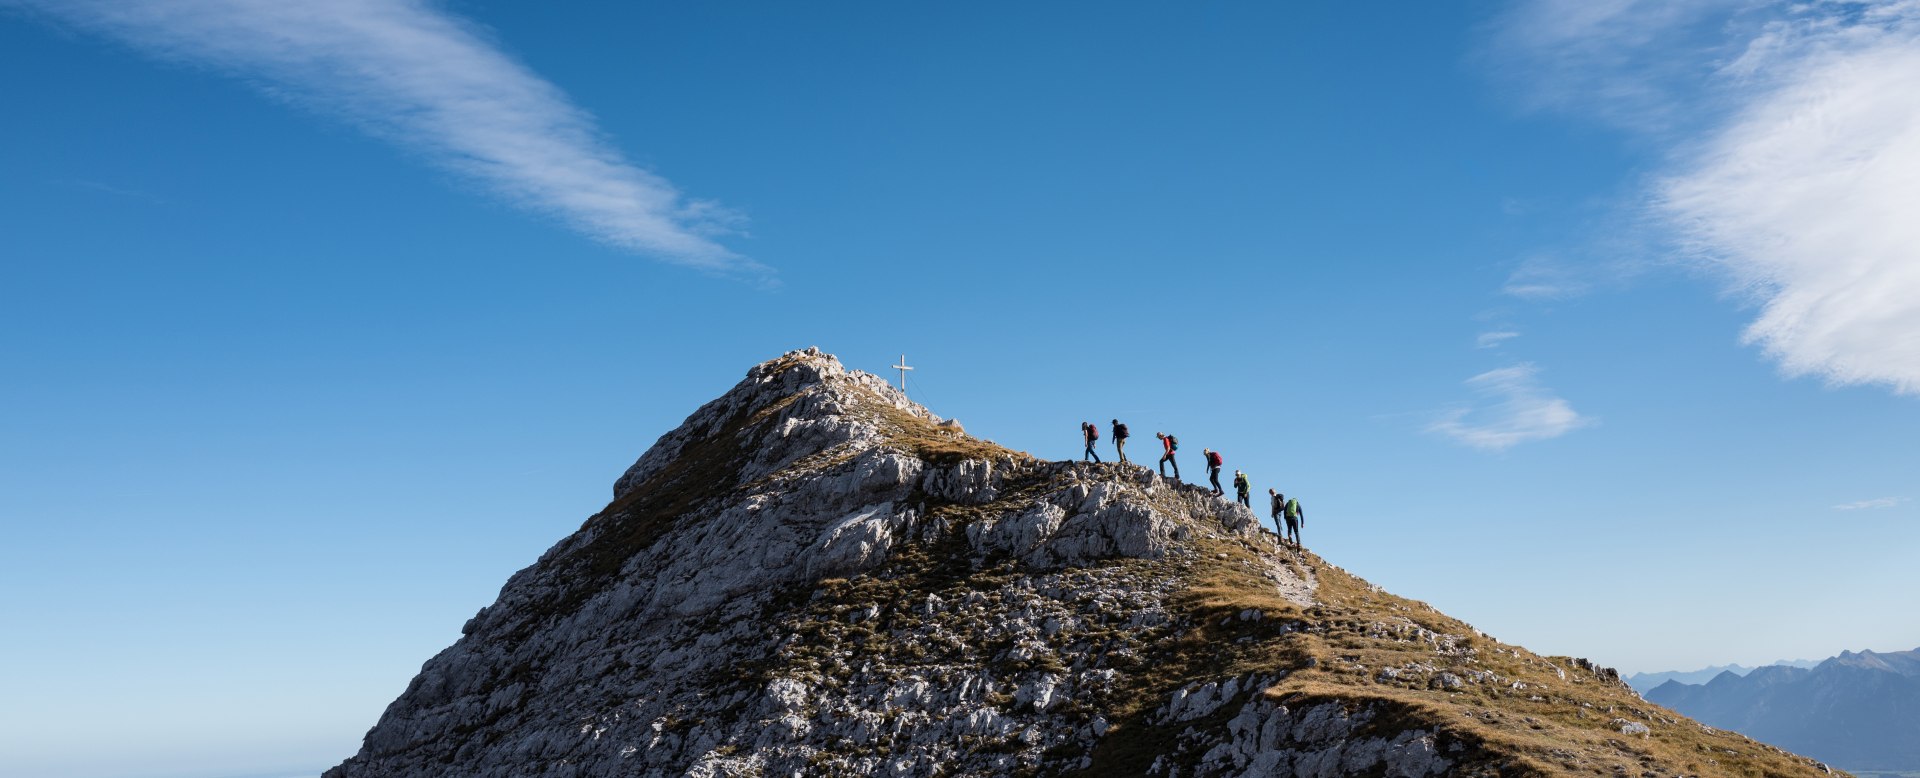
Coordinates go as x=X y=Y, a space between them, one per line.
x=1882 y=502
x=1541 y=277
x=110 y=189
x=1514 y=408
x=1605 y=57
x=411 y=73
x=1495 y=338
x=1798 y=166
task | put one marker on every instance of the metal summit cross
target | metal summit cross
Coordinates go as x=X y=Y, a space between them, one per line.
x=902 y=367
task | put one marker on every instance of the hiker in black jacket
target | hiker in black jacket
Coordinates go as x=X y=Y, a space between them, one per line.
x=1120 y=440
x=1277 y=504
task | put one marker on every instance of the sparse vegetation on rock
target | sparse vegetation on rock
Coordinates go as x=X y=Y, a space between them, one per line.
x=810 y=576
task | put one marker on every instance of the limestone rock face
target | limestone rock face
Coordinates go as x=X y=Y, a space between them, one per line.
x=812 y=576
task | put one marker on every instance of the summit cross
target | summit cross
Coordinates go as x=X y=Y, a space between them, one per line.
x=902 y=367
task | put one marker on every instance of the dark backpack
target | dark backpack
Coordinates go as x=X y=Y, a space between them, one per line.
x=1120 y=431
x=1173 y=443
x=1093 y=431
x=1215 y=459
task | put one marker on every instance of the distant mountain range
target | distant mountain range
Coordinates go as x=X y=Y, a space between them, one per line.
x=1858 y=710
x=1646 y=682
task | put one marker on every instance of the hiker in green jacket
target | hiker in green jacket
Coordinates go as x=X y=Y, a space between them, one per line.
x=1243 y=486
x=1296 y=517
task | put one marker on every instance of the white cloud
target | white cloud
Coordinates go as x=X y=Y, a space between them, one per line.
x=1802 y=191
x=1516 y=409
x=1883 y=502
x=1625 y=61
x=408 y=72
x=1492 y=339
x=1541 y=277
x=1807 y=200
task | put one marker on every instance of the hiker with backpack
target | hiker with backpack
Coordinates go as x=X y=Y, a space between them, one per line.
x=1296 y=517
x=1241 y=486
x=1168 y=445
x=1214 y=461
x=1120 y=440
x=1091 y=432
x=1276 y=505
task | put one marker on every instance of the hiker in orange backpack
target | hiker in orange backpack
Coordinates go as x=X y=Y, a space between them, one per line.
x=1120 y=440
x=1091 y=432
x=1168 y=445
x=1214 y=461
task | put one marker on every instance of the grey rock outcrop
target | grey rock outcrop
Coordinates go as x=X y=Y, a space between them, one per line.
x=683 y=630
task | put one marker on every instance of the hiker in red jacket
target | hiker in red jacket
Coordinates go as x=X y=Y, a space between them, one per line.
x=1168 y=445
x=1091 y=432
x=1214 y=461
x=1120 y=440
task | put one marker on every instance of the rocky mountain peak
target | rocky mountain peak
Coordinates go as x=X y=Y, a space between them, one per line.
x=814 y=576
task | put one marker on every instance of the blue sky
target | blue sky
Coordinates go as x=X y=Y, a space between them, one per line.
x=1596 y=324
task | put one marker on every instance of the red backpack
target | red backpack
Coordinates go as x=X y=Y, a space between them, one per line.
x=1093 y=430
x=1214 y=458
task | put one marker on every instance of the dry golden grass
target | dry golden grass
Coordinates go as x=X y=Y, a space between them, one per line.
x=1550 y=726
x=1560 y=721
x=928 y=441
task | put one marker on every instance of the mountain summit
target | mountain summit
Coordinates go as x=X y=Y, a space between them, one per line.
x=814 y=576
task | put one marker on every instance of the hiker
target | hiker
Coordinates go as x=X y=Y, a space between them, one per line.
x=1120 y=440
x=1168 y=445
x=1091 y=432
x=1276 y=505
x=1241 y=486
x=1214 y=461
x=1296 y=517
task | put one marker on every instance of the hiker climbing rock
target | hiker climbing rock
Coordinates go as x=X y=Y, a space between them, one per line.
x=1120 y=440
x=1241 y=486
x=1276 y=505
x=1214 y=461
x=1168 y=445
x=1296 y=517
x=1091 y=432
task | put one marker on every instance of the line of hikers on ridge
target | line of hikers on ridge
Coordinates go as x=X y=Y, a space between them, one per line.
x=1284 y=508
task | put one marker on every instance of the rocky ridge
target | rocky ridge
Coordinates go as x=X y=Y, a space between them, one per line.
x=810 y=577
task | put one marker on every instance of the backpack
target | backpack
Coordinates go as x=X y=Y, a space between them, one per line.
x=1173 y=443
x=1092 y=430
x=1120 y=431
x=1215 y=459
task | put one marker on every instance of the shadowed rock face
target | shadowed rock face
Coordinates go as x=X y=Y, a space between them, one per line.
x=810 y=577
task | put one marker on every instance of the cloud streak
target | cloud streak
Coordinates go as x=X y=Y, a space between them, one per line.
x=1515 y=408
x=1493 y=339
x=1883 y=502
x=1801 y=193
x=409 y=73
